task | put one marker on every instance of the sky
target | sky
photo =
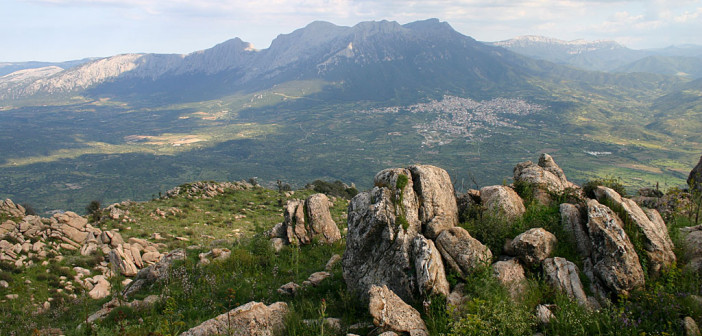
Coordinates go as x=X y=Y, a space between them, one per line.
x=61 y=30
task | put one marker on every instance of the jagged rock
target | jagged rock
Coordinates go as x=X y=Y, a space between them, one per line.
x=563 y=275
x=511 y=275
x=321 y=224
x=112 y=238
x=461 y=251
x=614 y=260
x=573 y=223
x=533 y=246
x=151 y=274
x=690 y=326
x=431 y=277
x=657 y=243
x=296 y=232
x=381 y=226
x=692 y=245
x=12 y=209
x=332 y=262
x=545 y=177
x=438 y=210
x=390 y=313
x=101 y=288
x=502 y=201
x=694 y=180
x=71 y=219
x=253 y=318
x=316 y=278
x=289 y=288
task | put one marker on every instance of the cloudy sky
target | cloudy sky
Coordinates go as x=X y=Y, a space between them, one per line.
x=59 y=30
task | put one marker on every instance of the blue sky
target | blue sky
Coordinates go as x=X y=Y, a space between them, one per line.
x=59 y=30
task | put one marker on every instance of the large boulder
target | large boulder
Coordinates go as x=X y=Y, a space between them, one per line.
x=614 y=261
x=694 y=180
x=431 y=277
x=251 y=319
x=563 y=275
x=295 y=229
x=657 y=243
x=572 y=221
x=307 y=220
x=438 y=209
x=122 y=260
x=461 y=251
x=390 y=313
x=533 y=246
x=502 y=201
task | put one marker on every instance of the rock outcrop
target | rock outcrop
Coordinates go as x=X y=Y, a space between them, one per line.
x=154 y=273
x=384 y=222
x=390 y=313
x=251 y=319
x=511 y=275
x=657 y=243
x=502 y=201
x=10 y=208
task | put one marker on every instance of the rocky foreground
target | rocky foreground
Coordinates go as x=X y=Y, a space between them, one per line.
x=403 y=244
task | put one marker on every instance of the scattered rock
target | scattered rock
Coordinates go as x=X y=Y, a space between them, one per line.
x=289 y=288
x=502 y=201
x=461 y=251
x=332 y=262
x=544 y=314
x=251 y=319
x=390 y=313
x=316 y=278
x=101 y=289
x=533 y=246
x=4 y=284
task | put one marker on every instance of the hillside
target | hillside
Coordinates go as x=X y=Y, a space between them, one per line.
x=325 y=102
x=229 y=254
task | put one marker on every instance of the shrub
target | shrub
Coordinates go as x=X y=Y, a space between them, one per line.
x=609 y=182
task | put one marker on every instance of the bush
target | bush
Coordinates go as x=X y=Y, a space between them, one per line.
x=609 y=182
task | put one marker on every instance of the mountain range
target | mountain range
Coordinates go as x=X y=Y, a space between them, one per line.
x=335 y=102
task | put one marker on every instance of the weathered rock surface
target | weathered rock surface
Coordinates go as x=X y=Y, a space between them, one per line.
x=690 y=326
x=316 y=278
x=511 y=275
x=101 y=289
x=431 y=276
x=438 y=209
x=122 y=260
x=502 y=201
x=251 y=319
x=563 y=275
x=12 y=209
x=614 y=260
x=657 y=243
x=461 y=251
x=390 y=313
x=533 y=246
